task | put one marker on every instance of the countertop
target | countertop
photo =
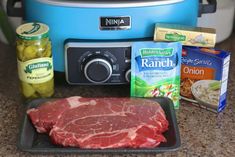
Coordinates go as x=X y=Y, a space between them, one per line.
x=202 y=132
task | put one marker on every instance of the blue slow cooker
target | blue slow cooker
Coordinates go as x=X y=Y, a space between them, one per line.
x=107 y=19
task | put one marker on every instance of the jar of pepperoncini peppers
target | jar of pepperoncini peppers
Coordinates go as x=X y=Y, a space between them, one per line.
x=34 y=60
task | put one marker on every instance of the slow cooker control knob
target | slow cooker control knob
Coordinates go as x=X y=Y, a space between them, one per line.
x=128 y=75
x=97 y=70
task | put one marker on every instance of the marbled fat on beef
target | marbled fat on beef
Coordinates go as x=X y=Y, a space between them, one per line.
x=107 y=123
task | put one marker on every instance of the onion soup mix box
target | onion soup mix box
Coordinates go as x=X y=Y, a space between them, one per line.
x=204 y=77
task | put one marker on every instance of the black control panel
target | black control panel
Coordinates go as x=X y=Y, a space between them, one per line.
x=97 y=62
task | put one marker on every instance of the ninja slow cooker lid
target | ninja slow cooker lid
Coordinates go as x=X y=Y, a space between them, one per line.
x=108 y=3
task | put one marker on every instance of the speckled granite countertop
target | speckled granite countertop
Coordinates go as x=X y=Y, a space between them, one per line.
x=203 y=133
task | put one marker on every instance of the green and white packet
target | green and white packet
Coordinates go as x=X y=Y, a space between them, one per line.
x=155 y=70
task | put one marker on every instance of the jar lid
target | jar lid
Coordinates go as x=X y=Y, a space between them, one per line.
x=32 y=31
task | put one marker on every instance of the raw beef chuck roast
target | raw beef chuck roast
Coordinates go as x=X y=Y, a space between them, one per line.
x=46 y=116
x=100 y=123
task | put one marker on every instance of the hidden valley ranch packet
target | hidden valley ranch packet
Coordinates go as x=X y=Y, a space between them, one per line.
x=155 y=70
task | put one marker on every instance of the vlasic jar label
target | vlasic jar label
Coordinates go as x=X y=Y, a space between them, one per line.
x=36 y=70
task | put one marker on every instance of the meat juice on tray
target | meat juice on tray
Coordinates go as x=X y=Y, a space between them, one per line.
x=100 y=123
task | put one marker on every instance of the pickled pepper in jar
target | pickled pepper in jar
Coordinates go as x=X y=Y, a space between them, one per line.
x=34 y=60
